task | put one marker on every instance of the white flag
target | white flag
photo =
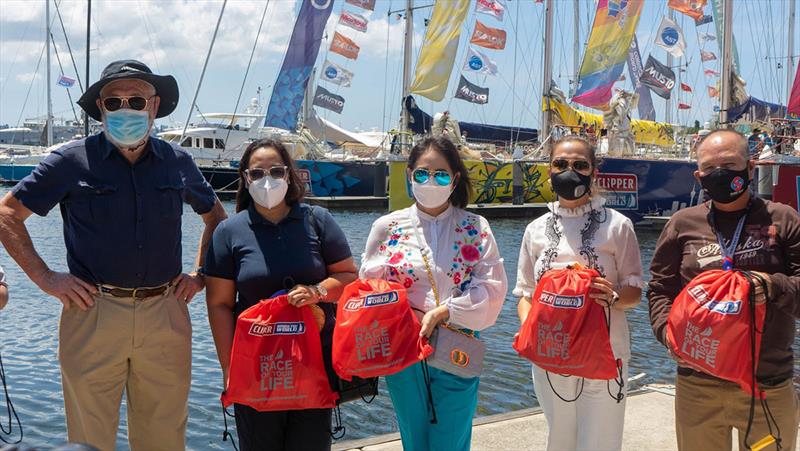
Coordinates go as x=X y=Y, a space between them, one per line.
x=479 y=63
x=705 y=37
x=355 y=21
x=336 y=74
x=670 y=37
x=493 y=8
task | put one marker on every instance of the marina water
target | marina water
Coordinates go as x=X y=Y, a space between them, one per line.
x=29 y=332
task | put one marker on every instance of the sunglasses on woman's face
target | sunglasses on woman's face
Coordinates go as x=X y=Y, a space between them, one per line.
x=276 y=172
x=137 y=103
x=441 y=177
x=562 y=164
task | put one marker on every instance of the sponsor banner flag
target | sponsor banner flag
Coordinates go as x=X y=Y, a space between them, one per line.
x=670 y=37
x=658 y=77
x=609 y=43
x=479 y=63
x=494 y=8
x=289 y=90
x=711 y=73
x=707 y=56
x=344 y=46
x=703 y=20
x=686 y=87
x=684 y=106
x=706 y=37
x=355 y=21
x=369 y=5
x=66 y=81
x=692 y=8
x=471 y=93
x=328 y=100
x=713 y=92
x=719 y=19
x=491 y=38
x=438 y=53
x=336 y=74
x=635 y=69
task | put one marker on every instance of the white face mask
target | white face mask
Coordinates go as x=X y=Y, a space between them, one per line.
x=268 y=192
x=431 y=195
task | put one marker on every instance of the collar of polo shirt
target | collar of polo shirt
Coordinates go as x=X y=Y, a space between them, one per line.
x=107 y=148
x=295 y=212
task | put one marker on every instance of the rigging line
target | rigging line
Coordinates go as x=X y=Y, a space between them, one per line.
x=61 y=68
x=69 y=48
x=27 y=94
x=386 y=68
x=246 y=72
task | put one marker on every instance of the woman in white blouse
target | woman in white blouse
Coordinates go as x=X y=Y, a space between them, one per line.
x=580 y=228
x=471 y=283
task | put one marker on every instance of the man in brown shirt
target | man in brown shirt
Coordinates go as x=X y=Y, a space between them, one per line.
x=707 y=408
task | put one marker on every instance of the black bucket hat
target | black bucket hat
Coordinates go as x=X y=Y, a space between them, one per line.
x=166 y=86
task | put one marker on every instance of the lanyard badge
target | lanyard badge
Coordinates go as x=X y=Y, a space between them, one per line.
x=728 y=252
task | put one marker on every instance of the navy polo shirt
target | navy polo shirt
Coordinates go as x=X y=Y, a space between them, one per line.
x=122 y=221
x=263 y=258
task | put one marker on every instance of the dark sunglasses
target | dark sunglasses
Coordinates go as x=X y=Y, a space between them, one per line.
x=441 y=177
x=137 y=103
x=577 y=165
x=276 y=172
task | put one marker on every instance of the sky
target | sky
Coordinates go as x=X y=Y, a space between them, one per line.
x=173 y=37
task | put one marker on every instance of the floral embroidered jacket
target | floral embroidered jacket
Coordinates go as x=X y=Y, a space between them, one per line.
x=465 y=262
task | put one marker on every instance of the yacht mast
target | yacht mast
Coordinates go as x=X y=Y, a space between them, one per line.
x=88 y=36
x=727 y=40
x=790 y=48
x=668 y=102
x=576 y=47
x=49 y=122
x=407 y=48
x=547 y=76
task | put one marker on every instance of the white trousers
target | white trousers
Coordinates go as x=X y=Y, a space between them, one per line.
x=594 y=421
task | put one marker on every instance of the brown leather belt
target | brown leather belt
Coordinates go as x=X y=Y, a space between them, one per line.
x=136 y=293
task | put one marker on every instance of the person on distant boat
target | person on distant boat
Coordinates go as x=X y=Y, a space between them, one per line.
x=580 y=228
x=460 y=280
x=768 y=237
x=275 y=242
x=125 y=321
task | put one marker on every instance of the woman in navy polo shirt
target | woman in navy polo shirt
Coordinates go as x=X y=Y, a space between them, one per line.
x=274 y=242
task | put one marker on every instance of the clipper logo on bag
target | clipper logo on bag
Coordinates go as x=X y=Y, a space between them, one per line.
x=372 y=341
x=372 y=300
x=561 y=301
x=699 y=294
x=280 y=328
x=553 y=342
x=459 y=358
x=276 y=372
x=699 y=345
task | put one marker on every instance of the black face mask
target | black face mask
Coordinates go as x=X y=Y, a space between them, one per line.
x=570 y=185
x=725 y=185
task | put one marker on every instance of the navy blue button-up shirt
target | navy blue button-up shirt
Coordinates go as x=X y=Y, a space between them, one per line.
x=122 y=221
x=263 y=258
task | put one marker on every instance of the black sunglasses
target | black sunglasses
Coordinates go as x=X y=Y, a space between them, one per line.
x=276 y=172
x=137 y=103
x=562 y=164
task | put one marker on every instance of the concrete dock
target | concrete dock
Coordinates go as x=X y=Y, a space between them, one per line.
x=649 y=425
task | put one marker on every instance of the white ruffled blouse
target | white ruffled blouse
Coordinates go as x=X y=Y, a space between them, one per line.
x=593 y=235
x=466 y=264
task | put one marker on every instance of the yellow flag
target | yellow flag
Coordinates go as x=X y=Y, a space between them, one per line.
x=439 y=50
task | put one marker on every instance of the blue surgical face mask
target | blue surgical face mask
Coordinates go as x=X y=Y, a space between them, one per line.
x=126 y=127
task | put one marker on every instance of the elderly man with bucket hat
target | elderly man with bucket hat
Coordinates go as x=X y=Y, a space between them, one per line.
x=124 y=322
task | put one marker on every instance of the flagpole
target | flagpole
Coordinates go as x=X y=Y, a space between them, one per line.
x=407 y=48
x=727 y=39
x=547 y=76
x=790 y=47
x=88 y=36
x=49 y=122
x=668 y=101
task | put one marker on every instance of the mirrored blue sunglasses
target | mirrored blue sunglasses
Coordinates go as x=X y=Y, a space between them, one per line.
x=441 y=177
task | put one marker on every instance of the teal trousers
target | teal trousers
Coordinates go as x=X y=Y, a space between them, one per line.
x=455 y=399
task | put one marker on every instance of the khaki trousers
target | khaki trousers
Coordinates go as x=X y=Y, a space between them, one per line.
x=707 y=410
x=142 y=346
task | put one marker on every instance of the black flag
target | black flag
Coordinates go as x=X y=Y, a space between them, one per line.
x=658 y=77
x=471 y=93
x=328 y=100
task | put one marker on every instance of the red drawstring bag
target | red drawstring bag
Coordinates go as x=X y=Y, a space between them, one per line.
x=276 y=359
x=566 y=332
x=716 y=326
x=376 y=332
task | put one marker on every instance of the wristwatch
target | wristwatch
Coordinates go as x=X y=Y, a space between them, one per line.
x=321 y=291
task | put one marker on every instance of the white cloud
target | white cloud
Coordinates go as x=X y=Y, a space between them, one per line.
x=28 y=77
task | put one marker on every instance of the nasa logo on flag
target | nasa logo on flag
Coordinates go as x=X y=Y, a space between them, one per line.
x=331 y=72
x=670 y=36
x=475 y=63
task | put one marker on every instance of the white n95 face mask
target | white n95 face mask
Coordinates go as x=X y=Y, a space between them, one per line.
x=267 y=191
x=431 y=195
